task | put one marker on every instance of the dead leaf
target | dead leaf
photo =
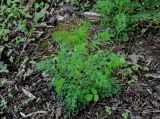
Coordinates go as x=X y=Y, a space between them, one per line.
x=148 y=61
x=58 y=112
x=146 y=111
x=134 y=58
x=60 y=18
x=93 y=17
x=115 y=105
x=28 y=73
x=20 y=73
x=22 y=114
x=156 y=104
x=135 y=117
x=91 y=14
x=154 y=75
x=156 y=117
x=27 y=93
x=34 y=113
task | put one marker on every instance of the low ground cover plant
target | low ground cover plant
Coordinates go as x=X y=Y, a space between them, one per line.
x=80 y=76
x=122 y=16
x=18 y=27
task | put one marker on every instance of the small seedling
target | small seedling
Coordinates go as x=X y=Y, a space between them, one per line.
x=3 y=68
x=3 y=82
x=134 y=78
x=108 y=110
x=3 y=104
x=136 y=67
x=125 y=114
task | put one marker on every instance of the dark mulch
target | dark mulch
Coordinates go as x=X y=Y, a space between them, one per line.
x=29 y=95
x=142 y=97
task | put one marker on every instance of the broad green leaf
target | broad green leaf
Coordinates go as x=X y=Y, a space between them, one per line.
x=94 y=91
x=96 y=98
x=89 y=97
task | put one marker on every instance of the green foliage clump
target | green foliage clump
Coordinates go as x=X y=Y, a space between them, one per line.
x=3 y=68
x=15 y=16
x=121 y=16
x=81 y=76
x=18 y=25
x=73 y=37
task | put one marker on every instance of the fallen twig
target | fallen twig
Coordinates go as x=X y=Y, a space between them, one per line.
x=33 y=113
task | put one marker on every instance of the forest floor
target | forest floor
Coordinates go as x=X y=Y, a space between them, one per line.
x=140 y=97
x=28 y=94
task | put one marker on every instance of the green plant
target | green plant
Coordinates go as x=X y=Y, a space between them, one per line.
x=81 y=76
x=73 y=37
x=136 y=67
x=122 y=16
x=81 y=5
x=125 y=114
x=3 y=68
x=134 y=78
x=17 y=25
x=130 y=73
x=108 y=110
x=102 y=37
x=3 y=104
x=3 y=82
